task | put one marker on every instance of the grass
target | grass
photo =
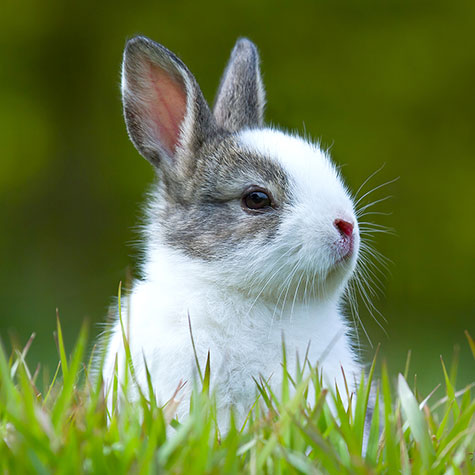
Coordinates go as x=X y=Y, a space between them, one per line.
x=68 y=428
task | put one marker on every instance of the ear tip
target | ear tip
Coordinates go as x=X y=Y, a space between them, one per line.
x=141 y=45
x=245 y=45
x=137 y=43
x=140 y=49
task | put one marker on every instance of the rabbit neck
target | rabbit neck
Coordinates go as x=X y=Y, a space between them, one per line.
x=193 y=288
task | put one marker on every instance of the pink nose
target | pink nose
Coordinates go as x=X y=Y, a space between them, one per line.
x=345 y=228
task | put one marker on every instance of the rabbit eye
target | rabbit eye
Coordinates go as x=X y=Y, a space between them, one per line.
x=256 y=200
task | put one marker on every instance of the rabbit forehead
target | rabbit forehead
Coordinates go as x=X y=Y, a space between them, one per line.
x=223 y=169
x=309 y=168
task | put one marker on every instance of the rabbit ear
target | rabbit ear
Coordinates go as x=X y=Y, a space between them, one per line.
x=164 y=108
x=241 y=97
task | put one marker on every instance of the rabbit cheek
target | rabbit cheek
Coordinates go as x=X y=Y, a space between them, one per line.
x=217 y=231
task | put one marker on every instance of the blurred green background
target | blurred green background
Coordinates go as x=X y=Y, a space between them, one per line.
x=380 y=82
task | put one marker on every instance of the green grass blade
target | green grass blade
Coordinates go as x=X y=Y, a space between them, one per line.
x=416 y=421
x=62 y=352
x=450 y=390
x=470 y=342
x=391 y=450
x=66 y=396
x=374 y=433
x=207 y=375
x=198 y=367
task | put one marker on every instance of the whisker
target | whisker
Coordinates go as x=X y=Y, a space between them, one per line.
x=375 y=189
x=295 y=296
x=358 y=211
x=371 y=308
x=368 y=179
x=270 y=279
x=370 y=278
x=367 y=250
x=380 y=213
x=355 y=309
x=368 y=258
x=305 y=290
x=370 y=231
x=285 y=288
x=353 y=306
x=370 y=223
x=290 y=279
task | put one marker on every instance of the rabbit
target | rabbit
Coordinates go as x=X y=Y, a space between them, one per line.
x=250 y=240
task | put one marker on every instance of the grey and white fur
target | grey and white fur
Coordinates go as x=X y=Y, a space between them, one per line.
x=251 y=235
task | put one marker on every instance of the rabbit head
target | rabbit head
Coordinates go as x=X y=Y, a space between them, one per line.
x=251 y=207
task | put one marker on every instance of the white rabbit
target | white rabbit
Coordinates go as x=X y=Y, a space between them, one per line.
x=251 y=235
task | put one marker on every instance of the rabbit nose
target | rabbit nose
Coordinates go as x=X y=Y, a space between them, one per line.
x=344 y=227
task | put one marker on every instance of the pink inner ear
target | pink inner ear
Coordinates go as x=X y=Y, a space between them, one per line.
x=167 y=107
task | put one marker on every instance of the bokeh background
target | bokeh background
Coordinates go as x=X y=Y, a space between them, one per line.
x=380 y=82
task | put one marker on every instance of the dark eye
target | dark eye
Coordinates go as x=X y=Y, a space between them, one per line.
x=256 y=200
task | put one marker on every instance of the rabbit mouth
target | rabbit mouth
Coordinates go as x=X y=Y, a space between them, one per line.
x=345 y=250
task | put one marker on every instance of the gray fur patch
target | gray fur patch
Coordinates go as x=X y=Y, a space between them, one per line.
x=202 y=215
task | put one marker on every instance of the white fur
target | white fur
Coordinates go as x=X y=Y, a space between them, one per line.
x=241 y=307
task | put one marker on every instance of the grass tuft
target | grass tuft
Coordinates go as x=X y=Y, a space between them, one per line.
x=304 y=429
